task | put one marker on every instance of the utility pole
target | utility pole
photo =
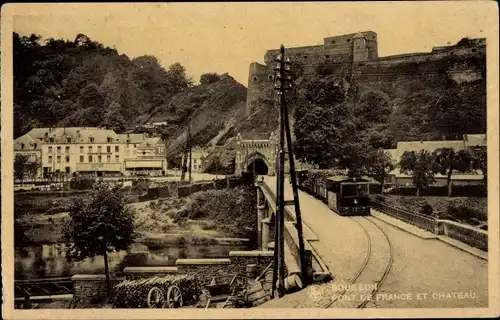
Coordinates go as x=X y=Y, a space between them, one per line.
x=184 y=158
x=284 y=83
x=190 y=154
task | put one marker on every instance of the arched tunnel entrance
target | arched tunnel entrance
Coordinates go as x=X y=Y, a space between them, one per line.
x=259 y=166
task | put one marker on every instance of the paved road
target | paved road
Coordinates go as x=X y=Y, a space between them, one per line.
x=441 y=275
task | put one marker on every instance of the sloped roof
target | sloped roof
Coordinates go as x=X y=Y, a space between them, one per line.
x=28 y=142
x=77 y=134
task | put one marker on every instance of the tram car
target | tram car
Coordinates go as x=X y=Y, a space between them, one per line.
x=346 y=196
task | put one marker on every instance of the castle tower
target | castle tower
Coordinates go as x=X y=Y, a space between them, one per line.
x=359 y=49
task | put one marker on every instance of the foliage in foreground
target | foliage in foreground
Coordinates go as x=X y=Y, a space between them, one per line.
x=134 y=293
x=100 y=224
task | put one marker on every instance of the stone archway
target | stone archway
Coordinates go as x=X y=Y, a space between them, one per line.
x=257 y=161
x=258 y=166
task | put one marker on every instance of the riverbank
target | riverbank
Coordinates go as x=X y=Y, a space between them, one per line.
x=206 y=217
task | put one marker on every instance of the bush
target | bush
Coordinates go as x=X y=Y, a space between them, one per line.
x=426 y=209
x=133 y=293
x=464 y=213
x=82 y=183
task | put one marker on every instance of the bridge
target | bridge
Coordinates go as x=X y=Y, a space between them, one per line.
x=388 y=257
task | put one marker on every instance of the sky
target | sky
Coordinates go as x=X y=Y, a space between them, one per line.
x=227 y=37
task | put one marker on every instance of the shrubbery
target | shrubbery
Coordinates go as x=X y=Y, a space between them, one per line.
x=134 y=293
x=232 y=211
x=82 y=183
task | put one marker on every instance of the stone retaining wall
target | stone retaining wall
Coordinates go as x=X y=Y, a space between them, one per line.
x=132 y=273
x=91 y=287
x=472 y=236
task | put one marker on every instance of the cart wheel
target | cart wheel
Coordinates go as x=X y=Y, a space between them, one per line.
x=155 y=298
x=174 y=297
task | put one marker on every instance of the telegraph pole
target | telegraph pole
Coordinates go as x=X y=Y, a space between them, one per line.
x=190 y=154
x=184 y=158
x=284 y=83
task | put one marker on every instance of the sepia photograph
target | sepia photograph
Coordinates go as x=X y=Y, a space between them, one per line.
x=294 y=159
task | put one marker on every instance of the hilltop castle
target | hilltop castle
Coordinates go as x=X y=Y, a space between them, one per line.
x=358 y=53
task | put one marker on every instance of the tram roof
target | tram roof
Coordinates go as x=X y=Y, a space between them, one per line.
x=342 y=178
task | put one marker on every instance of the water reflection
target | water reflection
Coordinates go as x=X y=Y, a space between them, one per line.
x=50 y=260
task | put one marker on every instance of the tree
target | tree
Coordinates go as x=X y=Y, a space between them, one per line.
x=480 y=161
x=101 y=224
x=320 y=125
x=113 y=118
x=208 y=78
x=421 y=167
x=379 y=166
x=20 y=164
x=447 y=160
x=177 y=78
x=32 y=168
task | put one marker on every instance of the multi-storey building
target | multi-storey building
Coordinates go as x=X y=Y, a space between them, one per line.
x=29 y=145
x=144 y=154
x=82 y=150
x=198 y=157
x=96 y=151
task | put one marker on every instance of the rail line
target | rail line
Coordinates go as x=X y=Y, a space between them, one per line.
x=365 y=264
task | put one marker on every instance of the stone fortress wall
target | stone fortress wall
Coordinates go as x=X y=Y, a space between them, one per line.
x=358 y=53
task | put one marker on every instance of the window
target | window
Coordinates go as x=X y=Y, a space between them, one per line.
x=305 y=57
x=99 y=159
x=144 y=153
x=270 y=77
x=108 y=158
x=68 y=170
x=50 y=149
x=35 y=146
x=110 y=139
x=68 y=139
x=51 y=140
x=67 y=149
x=99 y=149
x=90 y=149
x=117 y=158
x=50 y=158
x=333 y=41
x=81 y=159
x=58 y=149
x=327 y=56
x=117 y=149
x=254 y=78
x=91 y=139
x=58 y=159
x=67 y=158
x=81 y=149
x=194 y=161
x=22 y=145
x=90 y=158
x=348 y=40
x=108 y=149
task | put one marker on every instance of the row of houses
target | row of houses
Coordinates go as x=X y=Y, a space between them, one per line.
x=98 y=151
x=469 y=142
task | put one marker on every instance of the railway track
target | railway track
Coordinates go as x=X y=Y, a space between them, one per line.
x=374 y=269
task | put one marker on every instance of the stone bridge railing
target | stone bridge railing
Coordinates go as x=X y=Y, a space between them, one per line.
x=470 y=235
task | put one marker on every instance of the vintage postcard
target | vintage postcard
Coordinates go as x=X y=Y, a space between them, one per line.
x=250 y=160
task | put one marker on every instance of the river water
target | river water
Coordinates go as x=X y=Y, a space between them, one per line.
x=50 y=260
